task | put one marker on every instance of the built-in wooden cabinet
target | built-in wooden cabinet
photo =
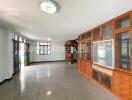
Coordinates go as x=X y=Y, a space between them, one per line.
x=118 y=78
x=95 y=75
x=122 y=85
x=85 y=67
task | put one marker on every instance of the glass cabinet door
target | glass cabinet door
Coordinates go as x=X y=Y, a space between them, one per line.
x=107 y=31
x=83 y=50
x=123 y=22
x=96 y=34
x=123 y=49
x=89 y=50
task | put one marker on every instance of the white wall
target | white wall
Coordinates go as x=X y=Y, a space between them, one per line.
x=6 y=53
x=56 y=55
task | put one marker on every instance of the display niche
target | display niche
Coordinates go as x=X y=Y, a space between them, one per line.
x=103 y=53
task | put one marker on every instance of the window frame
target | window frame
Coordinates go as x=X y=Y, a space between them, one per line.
x=45 y=48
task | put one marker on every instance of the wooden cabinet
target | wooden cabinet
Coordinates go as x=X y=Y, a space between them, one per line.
x=122 y=85
x=71 y=51
x=88 y=66
x=85 y=67
x=119 y=30
x=102 y=76
x=106 y=80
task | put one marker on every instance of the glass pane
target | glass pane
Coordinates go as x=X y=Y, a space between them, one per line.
x=49 y=47
x=103 y=53
x=123 y=50
x=20 y=39
x=89 y=35
x=89 y=50
x=41 y=50
x=37 y=45
x=49 y=52
x=16 y=37
x=48 y=43
x=37 y=51
x=45 y=52
x=107 y=31
x=83 y=50
x=96 y=34
x=45 y=47
x=25 y=41
x=123 y=22
x=43 y=43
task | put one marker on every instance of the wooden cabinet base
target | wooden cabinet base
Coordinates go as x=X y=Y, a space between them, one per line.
x=122 y=85
x=116 y=82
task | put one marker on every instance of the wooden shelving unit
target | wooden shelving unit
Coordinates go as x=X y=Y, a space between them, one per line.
x=70 y=45
x=119 y=79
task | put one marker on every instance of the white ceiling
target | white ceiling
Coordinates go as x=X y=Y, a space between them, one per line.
x=74 y=17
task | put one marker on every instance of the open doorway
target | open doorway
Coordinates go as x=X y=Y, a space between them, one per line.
x=22 y=55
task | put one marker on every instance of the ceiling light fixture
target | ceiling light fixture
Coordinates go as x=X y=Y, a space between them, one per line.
x=49 y=6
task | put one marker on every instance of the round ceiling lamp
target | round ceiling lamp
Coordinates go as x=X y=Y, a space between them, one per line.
x=49 y=6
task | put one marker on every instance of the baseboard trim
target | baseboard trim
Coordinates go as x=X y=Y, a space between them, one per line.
x=47 y=61
x=6 y=80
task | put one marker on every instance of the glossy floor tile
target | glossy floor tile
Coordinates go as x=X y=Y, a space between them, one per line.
x=52 y=81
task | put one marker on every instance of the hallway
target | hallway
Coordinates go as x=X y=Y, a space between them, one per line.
x=52 y=81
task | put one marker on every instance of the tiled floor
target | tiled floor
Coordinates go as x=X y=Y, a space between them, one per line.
x=52 y=81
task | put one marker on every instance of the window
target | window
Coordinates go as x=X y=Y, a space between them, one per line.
x=43 y=48
x=20 y=39
x=16 y=37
